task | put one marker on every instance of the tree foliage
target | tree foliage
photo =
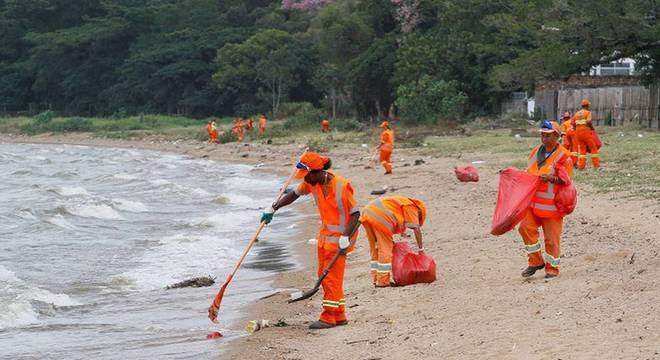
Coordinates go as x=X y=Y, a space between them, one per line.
x=363 y=58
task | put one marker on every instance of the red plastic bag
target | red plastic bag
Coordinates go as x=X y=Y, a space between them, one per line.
x=566 y=197
x=599 y=143
x=466 y=173
x=514 y=197
x=409 y=268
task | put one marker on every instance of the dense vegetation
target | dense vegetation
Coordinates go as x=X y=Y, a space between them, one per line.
x=427 y=59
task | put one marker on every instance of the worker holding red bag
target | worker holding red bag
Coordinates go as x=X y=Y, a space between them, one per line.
x=381 y=219
x=545 y=161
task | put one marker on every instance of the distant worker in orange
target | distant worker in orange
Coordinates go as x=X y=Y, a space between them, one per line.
x=339 y=222
x=386 y=147
x=544 y=161
x=249 y=125
x=213 y=131
x=569 y=141
x=325 y=125
x=584 y=136
x=381 y=219
x=262 y=124
x=240 y=130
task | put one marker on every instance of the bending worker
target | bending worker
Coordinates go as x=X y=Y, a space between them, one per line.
x=386 y=147
x=339 y=221
x=569 y=141
x=325 y=125
x=584 y=136
x=544 y=161
x=381 y=219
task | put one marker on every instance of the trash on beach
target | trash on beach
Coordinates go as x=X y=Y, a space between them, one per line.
x=256 y=325
x=214 y=335
x=194 y=282
x=312 y=241
x=364 y=145
x=640 y=135
x=478 y=162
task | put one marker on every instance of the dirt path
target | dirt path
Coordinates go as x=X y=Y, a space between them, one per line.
x=605 y=305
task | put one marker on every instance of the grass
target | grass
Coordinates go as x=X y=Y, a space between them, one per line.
x=631 y=156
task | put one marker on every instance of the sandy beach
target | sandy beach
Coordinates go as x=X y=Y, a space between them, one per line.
x=603 y=306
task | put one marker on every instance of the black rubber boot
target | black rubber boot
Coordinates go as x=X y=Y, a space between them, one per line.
x=531 y=270
x=318 y=324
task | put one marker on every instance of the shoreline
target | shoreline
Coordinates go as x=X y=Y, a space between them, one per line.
x=231 y=153
x=479 y=307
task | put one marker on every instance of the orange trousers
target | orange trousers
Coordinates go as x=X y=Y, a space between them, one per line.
x=529 y=230
x=380 y=246
x=586 y=141
x=334 y=303
x=213 y=136
x=262 y=130
x=571 y=144
x=385 y=160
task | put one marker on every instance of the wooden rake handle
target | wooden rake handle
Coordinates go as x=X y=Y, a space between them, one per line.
x=215 y=306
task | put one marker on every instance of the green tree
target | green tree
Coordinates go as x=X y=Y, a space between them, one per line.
x=263 y=68
x=427 y=100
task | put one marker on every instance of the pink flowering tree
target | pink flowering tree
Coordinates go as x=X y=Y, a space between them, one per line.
x=310 y=6
x=407 y=14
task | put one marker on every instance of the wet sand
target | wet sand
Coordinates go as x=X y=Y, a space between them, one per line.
x=604 y=305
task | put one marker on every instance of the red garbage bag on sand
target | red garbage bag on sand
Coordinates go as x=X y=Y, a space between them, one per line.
x=409 y=268
x=466 y=173
x=514 y=197
x=566 y=198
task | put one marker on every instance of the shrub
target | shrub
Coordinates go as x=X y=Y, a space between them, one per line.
x=44 y=117
x=426 y=100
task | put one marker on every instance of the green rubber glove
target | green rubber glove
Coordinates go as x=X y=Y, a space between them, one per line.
x=267 y=215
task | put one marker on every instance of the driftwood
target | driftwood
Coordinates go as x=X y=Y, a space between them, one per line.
x=194 y=282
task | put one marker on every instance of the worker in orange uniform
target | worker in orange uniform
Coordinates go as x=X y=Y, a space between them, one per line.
x=339 y=221
x=262 y=124
x=569 y=141
x=584 y=136
x=213 y=131
x=249 y=124
x=381 y=219
x=239 y=129
x=545 y=161
x=386 y=147
x=325 y=125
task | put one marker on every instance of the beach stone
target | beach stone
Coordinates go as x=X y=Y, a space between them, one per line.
x=194 y=282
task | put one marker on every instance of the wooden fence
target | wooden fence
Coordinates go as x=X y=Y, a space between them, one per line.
x=610 y=105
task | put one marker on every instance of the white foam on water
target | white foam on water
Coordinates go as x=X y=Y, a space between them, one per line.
x=177 y=258
x=25 y=214
x=72 y=191
x=160 y=182
x=129 y=205
x=8 y=276
x=224 y=221
x=60 y=221
x=36 y=157
x=15 y=300
x=124 y=176
x=48 y=297
x=98 y=211
x=17 y=314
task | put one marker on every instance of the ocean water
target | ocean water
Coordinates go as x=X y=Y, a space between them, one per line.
x=90 y=237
